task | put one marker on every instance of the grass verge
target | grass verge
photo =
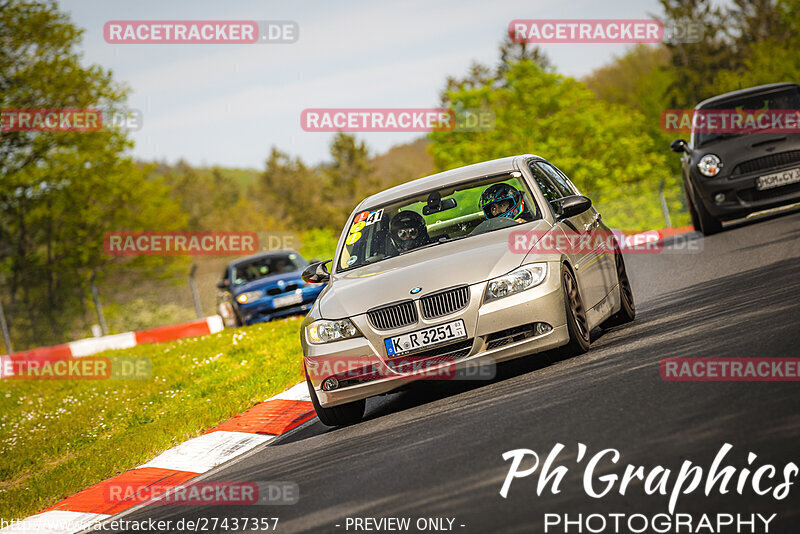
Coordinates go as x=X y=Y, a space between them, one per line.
x=58 y=437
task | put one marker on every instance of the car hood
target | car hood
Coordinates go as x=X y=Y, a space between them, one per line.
x=467 y=261
x=267 y=282
x=746 y=147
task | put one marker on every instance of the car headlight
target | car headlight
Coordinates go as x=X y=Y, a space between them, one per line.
x=323 y=331
x=709 y=165
x=517 y=280
x=248 y=296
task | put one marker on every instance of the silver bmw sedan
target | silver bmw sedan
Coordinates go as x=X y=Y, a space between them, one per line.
x=459 y=270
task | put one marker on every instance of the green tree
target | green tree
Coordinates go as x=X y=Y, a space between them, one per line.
x=768 y=42
x=214 y=199
x=602 y=146
x=480 y=75
x=291 y=193
x=349 y=177
x=61 y=192
x=640 y=79
x=697 y=65
x=750 y=42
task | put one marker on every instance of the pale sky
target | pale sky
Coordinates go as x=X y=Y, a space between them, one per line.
x=226 y=104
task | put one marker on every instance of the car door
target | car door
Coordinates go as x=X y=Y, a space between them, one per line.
x=600 y=232
x=587 y=265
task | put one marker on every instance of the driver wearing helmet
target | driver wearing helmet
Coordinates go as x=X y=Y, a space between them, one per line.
x=502 y=200
x=408 y=231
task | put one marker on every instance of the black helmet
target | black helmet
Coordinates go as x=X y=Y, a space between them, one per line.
x=408 y=231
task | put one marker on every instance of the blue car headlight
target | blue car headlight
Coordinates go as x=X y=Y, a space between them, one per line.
x=248 y=296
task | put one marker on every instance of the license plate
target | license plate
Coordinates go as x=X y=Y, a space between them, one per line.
x=778 y=179
x=288 y=300
x=425 y=338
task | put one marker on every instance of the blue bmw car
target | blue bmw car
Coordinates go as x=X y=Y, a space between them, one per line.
x=263 y=287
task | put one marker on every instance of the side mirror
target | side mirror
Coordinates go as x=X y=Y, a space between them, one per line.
x=679 y=146
x=223 y=284
x=570 y=206
x=316 y=273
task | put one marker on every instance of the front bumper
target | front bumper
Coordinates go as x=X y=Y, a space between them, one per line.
x=264 y=310
x=741 y=195
x=269 y=315
x=496 y=331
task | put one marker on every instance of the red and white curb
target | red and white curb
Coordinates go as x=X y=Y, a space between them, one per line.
x=126 y=340
x=255 y=426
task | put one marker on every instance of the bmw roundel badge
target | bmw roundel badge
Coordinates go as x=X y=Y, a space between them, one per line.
x=415 y=290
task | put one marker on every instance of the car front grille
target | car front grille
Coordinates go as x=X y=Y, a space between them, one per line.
x=393 y=316
x=444 y=302
x=432 y=357
x=288 y=288
x=767 y=162
x=405 y=364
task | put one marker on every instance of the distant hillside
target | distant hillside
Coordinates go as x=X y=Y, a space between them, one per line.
x=398 y=165
x=403 y=163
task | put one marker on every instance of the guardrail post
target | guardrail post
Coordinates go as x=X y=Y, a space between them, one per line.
x=664 y=208
x=4 y=327
x=96 y=297
x=197 y=308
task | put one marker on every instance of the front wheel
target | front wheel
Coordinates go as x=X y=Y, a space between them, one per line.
x=577 y=324
x=342 y=415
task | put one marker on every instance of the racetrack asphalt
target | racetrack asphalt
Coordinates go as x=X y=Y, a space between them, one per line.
x=436 y=450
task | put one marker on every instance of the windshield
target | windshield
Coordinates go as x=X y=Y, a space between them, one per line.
x=266 y=266
x=437 y=216
x=787 y=99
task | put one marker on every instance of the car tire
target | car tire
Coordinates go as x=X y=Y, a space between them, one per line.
x=342 y=415
x=627 y=310
x=577 y=325
x=708 y=225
